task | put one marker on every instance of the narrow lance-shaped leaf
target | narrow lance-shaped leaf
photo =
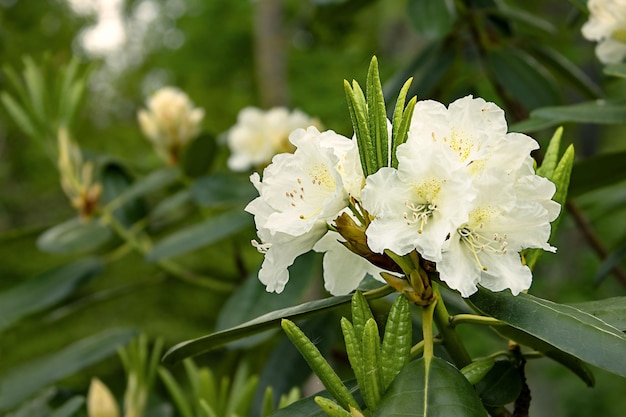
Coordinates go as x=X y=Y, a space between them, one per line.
x=372 y=387
x=401 y=121
x=33 y=79
x=319 y=365
x=19 y=116
x=396 y=346
x=361 y=313
x=353 y=349
x=377 y=116
x=331 y=408
x=561 y=178
x=551 y=157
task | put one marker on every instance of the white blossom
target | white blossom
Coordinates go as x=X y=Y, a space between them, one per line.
x=170 y=121
x=299 y=195
x=607 y=26
x=259 y=135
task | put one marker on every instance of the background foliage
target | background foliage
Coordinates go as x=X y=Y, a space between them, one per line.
x=528 y=57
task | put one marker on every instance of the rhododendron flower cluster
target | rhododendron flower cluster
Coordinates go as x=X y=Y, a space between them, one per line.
x=464 y=196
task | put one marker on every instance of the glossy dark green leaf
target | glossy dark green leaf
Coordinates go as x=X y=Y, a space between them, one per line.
x=251 y=300
x=598 y=111
x=597 y=172
x=502 y=384
x=199 y=235
x=616 y=70
x=566 y=328
x=444 y=392
x=432 y=18
x=45 y=290
x=571 y=362
x=222 y=190
x=75 y=236
x=19 y=383
x=611 y=310
x=267 y=321
x=199 y=155
x=523 y=78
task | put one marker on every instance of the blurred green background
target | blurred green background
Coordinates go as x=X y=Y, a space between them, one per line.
x=217 y=52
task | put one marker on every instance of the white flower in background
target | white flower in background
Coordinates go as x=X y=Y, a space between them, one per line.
x=299 y=195
x=418 y=205
x=170 y=122
x=607 y=26
x=259 y=135
x=485 y=249
x=100 y=401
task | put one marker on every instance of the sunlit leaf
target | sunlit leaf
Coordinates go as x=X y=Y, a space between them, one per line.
x=23 y=381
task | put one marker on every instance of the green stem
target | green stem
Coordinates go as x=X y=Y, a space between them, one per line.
x=143 y=245
x=403 y=262
x=451 y=341
x=379 y=292
x=427 y=329
x=418 y=348
x=474 y=319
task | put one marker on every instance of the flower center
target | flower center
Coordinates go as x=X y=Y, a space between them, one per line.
x=419 y=214
x=320 y=176
x=461 y=143
x=478 y=242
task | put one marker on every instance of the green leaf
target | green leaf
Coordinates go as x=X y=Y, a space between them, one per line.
x=251 y=300
x=319 y=365
x=74 y=236
x=616 y=70
x=561 y=178
x=307 y=406
x=23 y=381
x=610 y=310
x=396 y=346
x=439 y=391
x=198 y=156
x=116 y=183
x=432 y=18
x=372 y=386
x=597 y=172
x=199 y=235
x=69 y=408
x=172 y=208
x=566 y=69
x=361 y=313
x=597 y=111
x=614 y=259
x=267 y=321
x=533 y=124
x=20 y=117
x=33 y=78
x=154 y=181
x=551 y=157
x=377 y=116
x=476 y=371
x=526 y=18
x=45 y=290
x=523 y=78
x=357 y=107
x=502 y=384
x=566 y=328
x=223 y=190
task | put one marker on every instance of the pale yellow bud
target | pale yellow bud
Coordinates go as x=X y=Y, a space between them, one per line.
x=170 y=121
x=100 y=401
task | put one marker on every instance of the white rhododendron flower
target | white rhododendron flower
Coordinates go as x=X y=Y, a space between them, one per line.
x=607 y=26
x=170 y=121
x=299 y=195
x=464 y=196
x=259 y=135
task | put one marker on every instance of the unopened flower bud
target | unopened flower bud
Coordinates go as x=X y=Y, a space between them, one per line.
x=170 y=122
x=100 y=401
